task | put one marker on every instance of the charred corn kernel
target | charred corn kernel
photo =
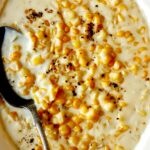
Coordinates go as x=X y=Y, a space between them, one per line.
x=84 y=108
x=53 y=110
x=64 y=130
x=74 y=140
x=76 y=43
x=15 y=56
x=116 y=77
x=118 y=147
x=37 y=60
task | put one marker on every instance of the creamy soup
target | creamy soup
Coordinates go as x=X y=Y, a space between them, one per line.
x=86 y=65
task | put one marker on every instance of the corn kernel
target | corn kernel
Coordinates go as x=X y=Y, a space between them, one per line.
x=116 y=77
x=120 y=34
x=74 y=140
x=89 y=125
x=53 y=109
x=15 y=56
x=97 y=19
x=84 y=108
x=88 y=17
x=77 y=119
x=65 y=4
x=120 y=18
x=64 y=130
x=84 y=145
x=73 y=148
x=142 y=113
x=71 y=124
x=65 y=38
x=118 y=147
x=109 y=106
x=38 y=60
x=76 y=103
x=115 y=2
x=92 y=114
x=77 y=129
x=121 y=130
x=76 y=43
x=122 y=104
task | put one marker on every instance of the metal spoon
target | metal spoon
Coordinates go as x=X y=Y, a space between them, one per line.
x=13 y=99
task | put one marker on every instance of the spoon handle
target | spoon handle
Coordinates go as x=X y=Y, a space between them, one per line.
x=38 y=124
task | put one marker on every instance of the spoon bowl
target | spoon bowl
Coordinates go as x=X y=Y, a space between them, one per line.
x=10 y=96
